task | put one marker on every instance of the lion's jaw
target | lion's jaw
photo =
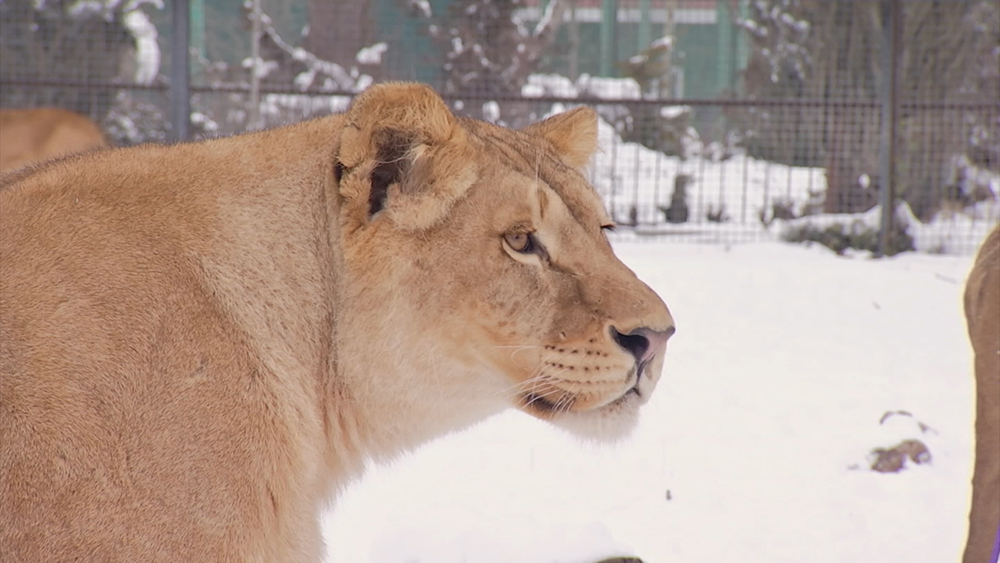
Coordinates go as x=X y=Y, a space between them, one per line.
x=423 y=384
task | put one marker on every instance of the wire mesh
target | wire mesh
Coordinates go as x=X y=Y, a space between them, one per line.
x=728 y=120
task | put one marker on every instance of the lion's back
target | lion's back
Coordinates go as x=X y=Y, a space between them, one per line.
x=130 y=405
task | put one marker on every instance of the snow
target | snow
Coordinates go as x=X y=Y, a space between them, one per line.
x=204 y=121
x=259 y=66
x=147 y=49
x=278 y=105
x=304 y=79
x=754 y=448
x=372 y=55
x=679 y=15
x=546 y=20
x=138 y=4
x=85 y=8
x=665 y=42
x=422 y=7
x=608 y=88
x=673 y=112
x=491 y=111
x=539 y=85
x=955 y=233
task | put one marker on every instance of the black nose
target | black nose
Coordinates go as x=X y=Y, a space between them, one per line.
x=634 y=343
x=643 y=343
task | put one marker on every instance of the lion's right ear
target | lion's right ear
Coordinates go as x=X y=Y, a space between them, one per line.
x=573 y=134
x=402 y=152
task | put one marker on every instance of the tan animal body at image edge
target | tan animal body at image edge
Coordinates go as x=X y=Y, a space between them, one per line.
x=201 y=344
x=982 y=311
x=30 y=136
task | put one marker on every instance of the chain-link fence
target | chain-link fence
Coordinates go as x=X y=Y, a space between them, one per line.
x=726 y=120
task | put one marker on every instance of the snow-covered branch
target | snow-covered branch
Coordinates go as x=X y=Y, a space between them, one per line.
x=313 y=65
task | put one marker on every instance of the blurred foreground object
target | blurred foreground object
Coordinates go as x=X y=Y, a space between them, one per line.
x=982 y=311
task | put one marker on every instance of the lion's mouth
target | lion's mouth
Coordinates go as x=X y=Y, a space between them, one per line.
x=564 y=401
x=640 y=370
x=634 y=390
x=538 y=403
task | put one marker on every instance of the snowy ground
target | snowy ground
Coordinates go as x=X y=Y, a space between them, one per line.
x=754 y=447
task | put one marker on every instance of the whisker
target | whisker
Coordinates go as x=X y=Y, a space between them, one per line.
x=564 y=403
x=511 y=390
x=533 y=384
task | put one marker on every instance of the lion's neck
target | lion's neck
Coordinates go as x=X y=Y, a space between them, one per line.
x=380 y=386
x=402 y=392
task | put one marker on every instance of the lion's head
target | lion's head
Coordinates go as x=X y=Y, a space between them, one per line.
x=475 y=249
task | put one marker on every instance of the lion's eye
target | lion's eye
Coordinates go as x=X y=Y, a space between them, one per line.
x=520 y=242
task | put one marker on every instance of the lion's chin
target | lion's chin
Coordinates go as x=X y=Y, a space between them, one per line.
x=612 y=422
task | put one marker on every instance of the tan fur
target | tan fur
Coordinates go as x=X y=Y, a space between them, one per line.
x=200 y=344
x=35 y=135
x=982 y=310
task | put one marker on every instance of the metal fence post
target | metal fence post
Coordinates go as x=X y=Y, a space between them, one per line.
x=892 y=24
x=609 y=17
x=645 y=27
x=180 y=71
x=254 y=109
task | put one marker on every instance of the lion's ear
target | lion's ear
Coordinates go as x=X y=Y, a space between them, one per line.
x=573 y=134
x=402 y=151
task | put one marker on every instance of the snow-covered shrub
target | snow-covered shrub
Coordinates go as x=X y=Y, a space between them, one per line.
x=859 y=231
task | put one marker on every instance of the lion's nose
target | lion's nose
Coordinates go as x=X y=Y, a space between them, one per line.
x=643 y=343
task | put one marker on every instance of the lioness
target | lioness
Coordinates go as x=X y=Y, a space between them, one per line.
x=200 y=344
x=982 y=311
x=36 y=135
